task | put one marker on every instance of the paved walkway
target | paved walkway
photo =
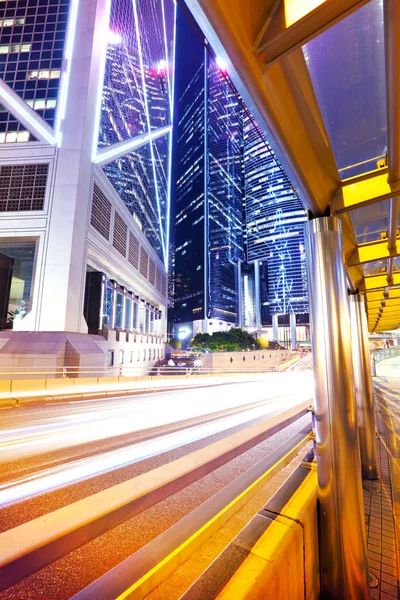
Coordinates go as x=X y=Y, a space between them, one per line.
x=382 y=498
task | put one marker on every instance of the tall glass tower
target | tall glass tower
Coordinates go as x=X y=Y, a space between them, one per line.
x=209 y=193
x=274 y=226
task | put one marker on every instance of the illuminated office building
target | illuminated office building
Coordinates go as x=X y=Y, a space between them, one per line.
x=274 y=231
x=209 y=196
x=86 y=102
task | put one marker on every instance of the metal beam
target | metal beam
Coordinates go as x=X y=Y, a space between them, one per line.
x=281 y=97
x=373 y=251
x=364 y=189
x=280 y=37
x=374 y=282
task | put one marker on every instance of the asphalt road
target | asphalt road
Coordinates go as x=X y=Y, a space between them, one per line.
x=55 y=454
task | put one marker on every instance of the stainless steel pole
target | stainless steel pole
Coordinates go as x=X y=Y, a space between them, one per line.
x=343 y=549
x=363 y=387
x=293 y=336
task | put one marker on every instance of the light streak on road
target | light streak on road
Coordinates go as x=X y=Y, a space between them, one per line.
x=79 y=470
x=56 y=427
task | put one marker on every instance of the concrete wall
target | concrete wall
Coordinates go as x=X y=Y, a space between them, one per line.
x=38 y=354
x=236 y=360
x=284 y=563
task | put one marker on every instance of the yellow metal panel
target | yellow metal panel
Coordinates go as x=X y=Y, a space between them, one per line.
x=374 y=304
x=374 y=251
x=380 y=281
x=371 y=296
x=363 y=190
x=295 y=10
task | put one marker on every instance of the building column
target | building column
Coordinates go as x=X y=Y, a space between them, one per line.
x=275 y=328
x=63 y=287
x=363 y=387
x=257 y=293
x=343 y=549
x=240 y=296
x=293 y=336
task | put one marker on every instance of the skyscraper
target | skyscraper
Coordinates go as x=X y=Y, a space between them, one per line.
x=209 y=203
x=239 y=224
x=275 y=221
x=86 y=95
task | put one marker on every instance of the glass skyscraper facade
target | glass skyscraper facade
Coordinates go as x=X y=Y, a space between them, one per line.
x=274 y=227
x=137 y=101
x=32 y=39
x=209 y=203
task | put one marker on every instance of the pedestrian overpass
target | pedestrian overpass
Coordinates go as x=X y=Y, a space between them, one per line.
x=323 y=80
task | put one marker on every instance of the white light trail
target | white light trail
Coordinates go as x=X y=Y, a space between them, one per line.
x=79 y=470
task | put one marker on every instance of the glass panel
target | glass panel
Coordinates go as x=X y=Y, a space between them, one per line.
x=132 y=176
x=108 y=305
x=397 y=263
x=118 y=310
x=347 y=67
x=135 y=316
x=32 y=63
x=22 y=257
x=128 y=312
x=370 y=221
x=375 y=267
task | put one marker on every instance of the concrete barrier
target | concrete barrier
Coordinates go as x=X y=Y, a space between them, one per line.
x=22 y=391
x=284 y=561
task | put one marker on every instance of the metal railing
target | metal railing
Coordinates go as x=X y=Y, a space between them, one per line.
x=387 y=353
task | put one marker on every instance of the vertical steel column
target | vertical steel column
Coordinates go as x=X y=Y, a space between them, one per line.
x=293 y=336
x=257 y=293
x=239 y=297
x=344 y=568
x=363 y=387
x=275 y=327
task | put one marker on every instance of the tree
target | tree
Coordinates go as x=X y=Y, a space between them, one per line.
x=233 y=340
x=174 y=343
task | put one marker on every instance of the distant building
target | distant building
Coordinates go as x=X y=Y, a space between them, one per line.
x=274 y=226
x=209 y=202
x=239 y=257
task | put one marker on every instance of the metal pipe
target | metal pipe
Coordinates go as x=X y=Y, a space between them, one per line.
x=363 y=387
x=293 y=336
x=344 y=567
x=275 y=327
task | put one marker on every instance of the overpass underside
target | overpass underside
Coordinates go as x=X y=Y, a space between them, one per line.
x=322 y=79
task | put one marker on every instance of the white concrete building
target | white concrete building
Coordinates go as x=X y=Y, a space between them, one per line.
x=84 y=181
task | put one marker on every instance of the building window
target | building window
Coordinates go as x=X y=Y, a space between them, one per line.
x=135 y=316
x=108 y=304
x=110 y=358
x=121 y=357
x=128 y=313
x=131 y=357
x=22 y=187
x=16 y=268
x=119 y=303
x=144 y=355
x=46 y=74
x=120 y=234
x=101 y=212
x=15 y=48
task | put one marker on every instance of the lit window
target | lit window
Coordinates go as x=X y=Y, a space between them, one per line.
x=11 y=137
x=25 y=47
x=51 y=103
x=15 y=48
x=44 y=74
x=2 y=138
x=23 y=136
x=47 y=74
x=4 y=49
x=40 y=104
x=55 y=74
x=32 y=74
